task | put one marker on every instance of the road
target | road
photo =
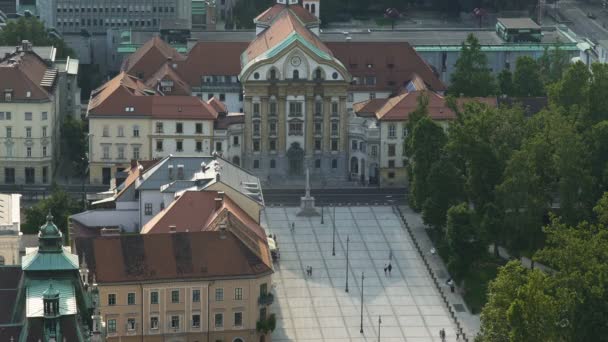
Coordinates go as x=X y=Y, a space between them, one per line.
x=353 y=196
x=576 y=12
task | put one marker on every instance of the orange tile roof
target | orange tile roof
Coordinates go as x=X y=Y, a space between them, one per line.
x=23 y=72
x=149 y=57
x=167 y=73
x=267 y=17
x=398 y=108
x=211 y=58
x=285 y=24
x=218 y=105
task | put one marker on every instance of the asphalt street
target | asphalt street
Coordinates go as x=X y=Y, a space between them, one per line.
x=338 y=197
x=577 y=13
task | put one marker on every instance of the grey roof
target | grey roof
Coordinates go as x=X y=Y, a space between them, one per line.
x=45 y=52
x=107 y=218
x=235 y=177
x=519 y=23
x=158 y=175
x=180 y=185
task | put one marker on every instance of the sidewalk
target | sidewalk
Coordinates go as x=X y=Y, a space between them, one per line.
x=467 y=322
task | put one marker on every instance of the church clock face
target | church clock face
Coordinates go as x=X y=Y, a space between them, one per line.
x=296 y=61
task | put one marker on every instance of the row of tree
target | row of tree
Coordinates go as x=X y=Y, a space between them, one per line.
x=32 y=29
x=496 y=177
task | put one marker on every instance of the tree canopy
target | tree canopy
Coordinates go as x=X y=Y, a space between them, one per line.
x=59 y=204
x=472 y=76
x=32 y=29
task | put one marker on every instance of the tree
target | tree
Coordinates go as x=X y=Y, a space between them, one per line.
x=73 y=134
x=505 y=82
x=59 y=204
x=427 y=143
x=527 y=80
x=472 y=77
x=463 y=239
x=445 y=189
x=573 y=89
x=33 y=30
x=553 y=63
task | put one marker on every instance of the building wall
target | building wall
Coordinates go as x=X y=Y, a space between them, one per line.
x=233 y=99
x=9 y=249
x=112 y=140
x=14 y=149
x=225 y=140
x=248 y=205
x=143 y=310
x=189 y=137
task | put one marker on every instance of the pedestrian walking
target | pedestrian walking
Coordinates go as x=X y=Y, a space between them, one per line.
x=310 y=270
x=390 y=268
x=385 y=268
x=307 y=271
x=433 y=251
x=293 y=227
x=457 y=336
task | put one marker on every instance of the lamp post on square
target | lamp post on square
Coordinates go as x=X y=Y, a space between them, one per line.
x=347 y=241
x=362 y=278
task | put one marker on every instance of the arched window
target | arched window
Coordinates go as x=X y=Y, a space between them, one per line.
x=318 y=74
x=236 y=161
x=307 y=6
x=273 y=74
x=238 y=339
x=313 y=9
x=296 y=75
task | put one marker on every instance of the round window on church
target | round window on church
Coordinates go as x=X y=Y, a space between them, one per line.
x=256 y=75
x=334 y=75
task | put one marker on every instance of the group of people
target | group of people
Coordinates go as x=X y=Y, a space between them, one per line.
x=309 y=271
x=388 y=268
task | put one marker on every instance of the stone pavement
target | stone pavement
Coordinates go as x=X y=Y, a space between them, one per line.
x=318 y=308
x=469 y=323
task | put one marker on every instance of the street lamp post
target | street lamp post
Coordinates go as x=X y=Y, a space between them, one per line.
x=333 y=241
x=379 y=322
x=362 y=278
x=347 y=241
x=322 y=222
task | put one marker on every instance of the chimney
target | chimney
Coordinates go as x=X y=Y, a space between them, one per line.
x=203 y=167
x=26 y=45
x=218 y=203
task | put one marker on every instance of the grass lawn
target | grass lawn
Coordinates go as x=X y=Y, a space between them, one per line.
x=477 y=281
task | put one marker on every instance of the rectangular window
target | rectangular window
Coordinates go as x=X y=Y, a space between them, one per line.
x=199 y=146
x=44 y=131
x=130 y=324
x=9 y=175
x=148 y=209
x=30 y=175
x=111 y=299
x=159 y=127
x=179 y=145
x=199 y=128
x=219 y=320
x=222 y=97
x=334 y=109
x=121 y=152
x=175 y=322
x=175 y=296
x=196 y=321
x=295 y=108
x=272 y=145
x=28 y=152
x=111 y=326
x=106 y=152
x=317 y=163
x=121 y=131
x=153 y=322
x=374 y=150
x=318 y=144
x=219 y=295
x=106 y=131
x=256 y=146
x=45 y=115
x=130 y=298
x=318 y=108
x=9 y=132
x=238 y=293
x=154 y=297
x=354 y=145
x=28 y=132
x=256 y=109
x=256 y=164
x=235 y=140
x=218 y=146
x=45 y=174
x=179 y=127
x=273 y=108
x=295 y=128
x=196 y=296
x=238 y=319
x=391 y=150
x=334 y=144
x=256 y=128
x=136 y=152
x=159 y=145
x=392 y=131
x=263 y=289
x=135 y=131
x=272 y=128
x=28 y=116
x=318 y=127
x=391 y=163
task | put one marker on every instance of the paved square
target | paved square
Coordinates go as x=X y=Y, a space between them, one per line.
x=318 y=308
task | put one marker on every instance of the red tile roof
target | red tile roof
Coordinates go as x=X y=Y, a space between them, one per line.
x=398 y=108
x=167 y=73
x=217 y=105
x=397 y=64
x=193 y=255
x=285 y=24
x=211 y=58
x=127 y=96
x=23 y=72
x=223 y=122
x=149 y=57
x=269 y=16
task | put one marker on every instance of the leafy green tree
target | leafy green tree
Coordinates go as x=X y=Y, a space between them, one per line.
x=472 y=76
x=428 y=141
x=59 y=204
x=553 y=63
x=32 y=29
x=413 y=119
x=445 y=189
x=246 y=11
x=598 y=94
x=505 y=82
x=573 y=89
x=463 y=239
x=527 y=80
x=74 y=139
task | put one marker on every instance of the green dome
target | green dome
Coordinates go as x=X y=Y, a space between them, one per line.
x=50 y=293
x=49 y=230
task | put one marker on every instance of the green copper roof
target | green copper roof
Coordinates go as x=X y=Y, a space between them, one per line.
x=50 y=292
x=35 y=290
x=37 y=261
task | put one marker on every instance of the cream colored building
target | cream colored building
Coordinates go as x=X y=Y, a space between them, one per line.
x=10 y=223
x=130 y=121
x=183 y=286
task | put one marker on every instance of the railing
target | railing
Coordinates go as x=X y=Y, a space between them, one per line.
x=266 y=299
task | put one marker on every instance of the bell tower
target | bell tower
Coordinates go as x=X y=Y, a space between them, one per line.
x=50 y=301
x=313 y=6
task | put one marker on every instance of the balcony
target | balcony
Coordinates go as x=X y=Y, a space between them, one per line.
x=266 y=299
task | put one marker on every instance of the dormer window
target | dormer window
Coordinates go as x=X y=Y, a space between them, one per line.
x=28 y=94
x=8 y=95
